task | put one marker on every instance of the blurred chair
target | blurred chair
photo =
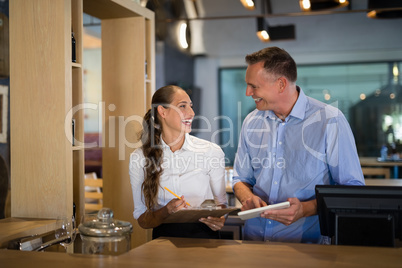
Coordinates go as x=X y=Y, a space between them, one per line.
x=93 y=192
x=374 y=172
x=93 y=155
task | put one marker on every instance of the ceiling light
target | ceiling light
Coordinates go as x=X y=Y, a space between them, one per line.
x=262 y=30
x=263 y=36
x=395 y=70
x=249 y=4
x=315 y=5
x=390 y=9
x=183 y=35
x=305 y=4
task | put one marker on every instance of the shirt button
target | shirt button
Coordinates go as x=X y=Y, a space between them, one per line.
x=269 y=222
x=280 y=143
x=283 y=124
x=275 y=182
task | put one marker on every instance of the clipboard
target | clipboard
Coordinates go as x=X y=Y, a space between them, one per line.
x=190 y=215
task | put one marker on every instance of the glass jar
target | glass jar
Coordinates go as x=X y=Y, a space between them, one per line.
x=104 y=235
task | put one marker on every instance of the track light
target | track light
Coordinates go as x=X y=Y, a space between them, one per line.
x=268 y=33
x=315 y=5
x=249 y=4
x=262 y=30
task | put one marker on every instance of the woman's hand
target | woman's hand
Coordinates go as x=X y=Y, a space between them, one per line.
x=152 y=219
x=214 y=223
x=176 y=204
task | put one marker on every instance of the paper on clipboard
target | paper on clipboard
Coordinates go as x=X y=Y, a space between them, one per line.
x=189 y=215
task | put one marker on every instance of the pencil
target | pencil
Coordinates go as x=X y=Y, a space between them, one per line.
x=176 y=195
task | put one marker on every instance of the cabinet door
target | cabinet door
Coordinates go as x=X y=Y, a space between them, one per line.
x=41 y=153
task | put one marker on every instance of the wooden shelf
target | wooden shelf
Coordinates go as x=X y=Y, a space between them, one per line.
x=48 y=91
x=75 y=65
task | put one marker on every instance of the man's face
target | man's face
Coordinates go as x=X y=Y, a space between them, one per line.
x=261 y=86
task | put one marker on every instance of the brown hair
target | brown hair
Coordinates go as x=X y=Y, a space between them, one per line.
x=276 y=61
x=152 y=145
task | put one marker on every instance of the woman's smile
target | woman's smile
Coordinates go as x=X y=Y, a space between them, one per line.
x=187 y=122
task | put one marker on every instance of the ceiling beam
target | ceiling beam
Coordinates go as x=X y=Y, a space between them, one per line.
x=293 y=14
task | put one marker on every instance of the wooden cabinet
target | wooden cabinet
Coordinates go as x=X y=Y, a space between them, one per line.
x=47 y=171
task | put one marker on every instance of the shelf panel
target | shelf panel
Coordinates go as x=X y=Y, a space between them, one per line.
x=78 y=148
x=76 y=65
x=114 y=9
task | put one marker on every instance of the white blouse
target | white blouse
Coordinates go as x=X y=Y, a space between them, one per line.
x=196 y=171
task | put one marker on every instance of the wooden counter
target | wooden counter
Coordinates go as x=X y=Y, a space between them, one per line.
x=373 y=162
x=12 y=228
x=185 y=252
x=383 y=182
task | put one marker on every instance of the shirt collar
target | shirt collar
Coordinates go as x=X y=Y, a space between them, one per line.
x=298 y=110
x=186 y=144
x=164 y=145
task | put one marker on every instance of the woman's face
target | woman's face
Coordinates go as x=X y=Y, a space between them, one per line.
x=178 y=116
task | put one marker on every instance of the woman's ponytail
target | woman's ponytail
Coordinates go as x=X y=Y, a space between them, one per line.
x=152 y=149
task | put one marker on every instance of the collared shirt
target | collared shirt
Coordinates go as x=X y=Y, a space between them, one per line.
x=282 y=159
x=196 y=171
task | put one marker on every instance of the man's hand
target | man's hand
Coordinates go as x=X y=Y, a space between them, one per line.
x=296 y=211
x=252 y=202
x=244 y=194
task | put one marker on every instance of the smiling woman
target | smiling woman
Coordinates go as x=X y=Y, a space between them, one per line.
x=172 y=159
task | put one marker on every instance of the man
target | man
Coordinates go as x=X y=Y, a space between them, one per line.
x=287 y=146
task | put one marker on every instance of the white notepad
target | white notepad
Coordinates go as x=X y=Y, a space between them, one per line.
x=256 y=212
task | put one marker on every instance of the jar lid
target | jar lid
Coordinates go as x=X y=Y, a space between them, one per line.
x=105 y=225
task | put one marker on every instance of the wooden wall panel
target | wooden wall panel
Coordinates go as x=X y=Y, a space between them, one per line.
x=123 y=91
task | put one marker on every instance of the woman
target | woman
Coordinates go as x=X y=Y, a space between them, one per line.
x=169 y=157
